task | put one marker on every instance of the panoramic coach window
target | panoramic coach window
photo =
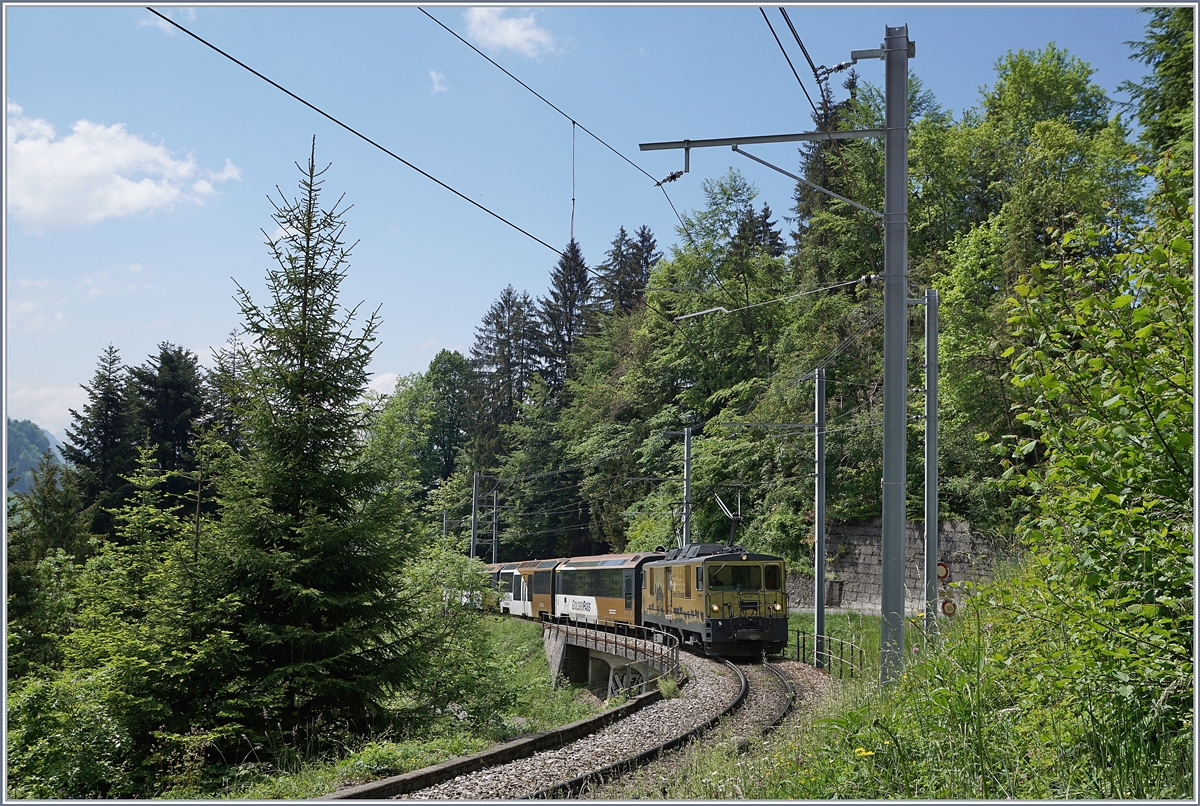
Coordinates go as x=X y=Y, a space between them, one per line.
x=541 y=582
x=774 y=577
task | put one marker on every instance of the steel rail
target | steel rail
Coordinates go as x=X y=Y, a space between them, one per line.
x=789 y=696
x=568 y=789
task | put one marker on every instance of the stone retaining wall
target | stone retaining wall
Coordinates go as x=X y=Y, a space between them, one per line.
x=853 y=564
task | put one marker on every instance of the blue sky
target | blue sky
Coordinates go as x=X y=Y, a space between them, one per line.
x=139 y=162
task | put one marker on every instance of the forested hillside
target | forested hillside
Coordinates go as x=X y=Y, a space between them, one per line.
x=249 y=561
x=27 y=444
x=577 y=400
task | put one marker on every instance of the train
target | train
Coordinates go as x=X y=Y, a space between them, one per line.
x=714 y=597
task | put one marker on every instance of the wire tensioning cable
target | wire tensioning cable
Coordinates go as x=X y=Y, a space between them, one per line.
x=818 y=118
x=355 y=132
x=788 y=58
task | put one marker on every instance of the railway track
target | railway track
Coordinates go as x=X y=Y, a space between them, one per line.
x=716 y=688
x=769 y=700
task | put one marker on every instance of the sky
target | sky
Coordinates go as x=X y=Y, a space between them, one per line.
x=140 y=163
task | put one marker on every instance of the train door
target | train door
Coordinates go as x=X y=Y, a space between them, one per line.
x=667 y=591
x=629 y=591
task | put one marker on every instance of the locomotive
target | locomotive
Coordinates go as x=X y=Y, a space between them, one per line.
x=717 y=597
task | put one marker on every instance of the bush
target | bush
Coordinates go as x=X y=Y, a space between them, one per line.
x=71 y=737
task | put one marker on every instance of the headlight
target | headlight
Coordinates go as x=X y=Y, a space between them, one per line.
x=778 y=606
x=716 y=608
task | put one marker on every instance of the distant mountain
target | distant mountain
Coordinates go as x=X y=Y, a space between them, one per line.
x=27 y=441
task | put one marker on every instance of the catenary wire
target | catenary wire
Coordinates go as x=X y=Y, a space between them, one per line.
x=817 y=117
x=574 y=123
x=355 y=132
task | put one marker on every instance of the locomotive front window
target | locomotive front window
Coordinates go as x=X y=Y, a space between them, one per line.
x=728 y=577
x=774 y=577
x=506 y=583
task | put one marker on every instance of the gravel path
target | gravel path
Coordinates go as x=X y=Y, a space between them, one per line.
x=711 y=687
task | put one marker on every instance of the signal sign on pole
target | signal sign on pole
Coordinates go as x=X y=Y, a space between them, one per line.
x=949 y=607
x=943 y=572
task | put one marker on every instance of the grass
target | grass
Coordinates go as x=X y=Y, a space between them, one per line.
x=538 y=706
x=860 y=629
x=971 y=717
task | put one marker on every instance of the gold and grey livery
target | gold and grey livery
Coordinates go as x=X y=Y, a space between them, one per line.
x=729 y=600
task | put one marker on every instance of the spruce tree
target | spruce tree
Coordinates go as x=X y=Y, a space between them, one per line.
x=168 y=404
x=504 y=360
x=1165 y=101
x=646 y=256
x=316 y=529
x=100 y=441
x=567 y=315
x=619 y=287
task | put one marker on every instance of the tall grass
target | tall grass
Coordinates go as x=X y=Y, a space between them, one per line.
x=991 y=710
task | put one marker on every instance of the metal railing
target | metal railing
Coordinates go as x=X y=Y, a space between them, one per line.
x=841 y=658
x=653 y=647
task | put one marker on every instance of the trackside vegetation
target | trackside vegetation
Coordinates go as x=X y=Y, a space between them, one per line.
x=529 y=703
x=251 y=581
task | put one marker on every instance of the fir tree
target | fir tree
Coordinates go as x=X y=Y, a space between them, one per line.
x=1165 y=101
x=618 y=276
x=647 y=255
x=168 y=403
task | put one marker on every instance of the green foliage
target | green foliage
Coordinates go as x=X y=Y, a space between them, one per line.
x=69 y=737
x=47 y=536
x=669 y=687
x=1105 y=346
x=101 y=442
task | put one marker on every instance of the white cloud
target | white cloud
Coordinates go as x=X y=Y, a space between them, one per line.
x=491 y=29
x=48 y=407
x=116 y=280
x=33 y=315
x=94 y=173
x=384 y=384
x=439 y=82
x=155 y=21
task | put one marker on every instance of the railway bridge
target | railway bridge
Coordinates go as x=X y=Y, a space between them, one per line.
x=610 y=658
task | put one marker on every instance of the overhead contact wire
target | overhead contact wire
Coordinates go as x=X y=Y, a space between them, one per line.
x=355 y=132
x=574 y=123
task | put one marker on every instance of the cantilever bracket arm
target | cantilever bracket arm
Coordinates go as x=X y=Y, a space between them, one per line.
x=699 y=313
x=804 y=181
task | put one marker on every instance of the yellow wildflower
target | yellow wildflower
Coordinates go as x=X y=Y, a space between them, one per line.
x=862 y=752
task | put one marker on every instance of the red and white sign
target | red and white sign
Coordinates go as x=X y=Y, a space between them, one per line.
x=949 y=607
x=943 y=571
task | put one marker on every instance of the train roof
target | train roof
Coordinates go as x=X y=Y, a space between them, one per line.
x=531 y=565
x=610 y=560
x=714 y=551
